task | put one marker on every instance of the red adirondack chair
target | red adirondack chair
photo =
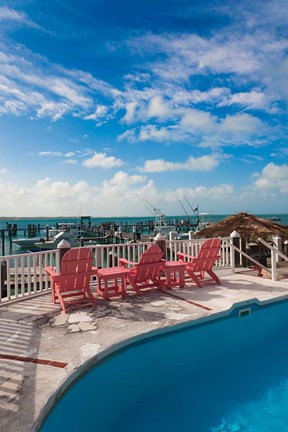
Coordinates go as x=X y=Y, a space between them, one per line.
x=204 y=262
x=145 y=273
x=74 y=277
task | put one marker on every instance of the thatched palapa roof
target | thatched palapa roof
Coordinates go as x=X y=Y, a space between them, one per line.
x=249 y=227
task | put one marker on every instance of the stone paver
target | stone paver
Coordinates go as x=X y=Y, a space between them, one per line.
x=36 y=329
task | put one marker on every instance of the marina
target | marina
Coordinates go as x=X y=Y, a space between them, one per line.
x=102 y=230
x=21 y=235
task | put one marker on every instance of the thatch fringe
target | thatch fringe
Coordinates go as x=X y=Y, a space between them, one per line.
x=249 y=227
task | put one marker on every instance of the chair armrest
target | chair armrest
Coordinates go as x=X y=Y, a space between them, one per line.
x=123 y=262
x=94 y=270
x=182 y=256
x=51 y=271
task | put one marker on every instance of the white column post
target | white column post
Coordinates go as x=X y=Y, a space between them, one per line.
x=234 y=255
x=62 y=248
x=273 y=264
x=191 y=235
x=160 y=240
x=277 y=241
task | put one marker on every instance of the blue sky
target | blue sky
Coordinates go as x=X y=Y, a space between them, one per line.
x=104 y=101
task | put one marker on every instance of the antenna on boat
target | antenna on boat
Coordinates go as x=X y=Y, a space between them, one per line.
x=182 y=207
x=196 y=210
x=149 y=206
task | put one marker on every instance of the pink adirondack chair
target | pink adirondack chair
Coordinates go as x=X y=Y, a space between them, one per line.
x=204 y=262
x=74 y=278
x=146 y=273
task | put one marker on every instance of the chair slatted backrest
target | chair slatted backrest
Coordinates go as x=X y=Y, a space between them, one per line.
x=76 y=269
x=208 y=254
x=149 y=264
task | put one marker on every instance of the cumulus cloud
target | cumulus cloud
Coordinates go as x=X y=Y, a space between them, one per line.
x=200 y=128
x=158 y=108
x=101 y=160
x=198 y=120
x=273 y=177
x=100 y=112
x=152 y=133
x=64 y=198
x=130 y=112
x=203 y=163
x=241 y=123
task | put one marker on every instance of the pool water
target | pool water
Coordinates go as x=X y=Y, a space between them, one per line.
x=228 y=375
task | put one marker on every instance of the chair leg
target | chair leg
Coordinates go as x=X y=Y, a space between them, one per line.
x=214 y=276
x=91 y=297
x=53 y=292
x=134 y=286
x=61 y=300
x=194 y=278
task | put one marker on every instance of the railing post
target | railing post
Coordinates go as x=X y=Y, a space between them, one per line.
x=161 y=242
x=191 y=235
x=234 y=255
x=286 y=247
x=98 y=256
x=277 y=241
x=47 y=232
x=3 y=271
x=62 y=248
x=273 y=264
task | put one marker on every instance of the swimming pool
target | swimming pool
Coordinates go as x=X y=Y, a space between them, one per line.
x=225 y=375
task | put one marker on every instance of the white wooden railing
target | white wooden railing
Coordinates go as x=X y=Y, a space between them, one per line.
x=24 y=275
x=274 y=252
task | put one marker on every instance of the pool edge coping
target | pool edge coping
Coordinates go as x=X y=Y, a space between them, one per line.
x=126 y=343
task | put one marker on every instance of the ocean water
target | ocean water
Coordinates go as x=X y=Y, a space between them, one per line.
x=22 y=223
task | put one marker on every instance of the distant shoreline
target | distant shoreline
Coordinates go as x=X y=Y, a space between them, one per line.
x=4 y=218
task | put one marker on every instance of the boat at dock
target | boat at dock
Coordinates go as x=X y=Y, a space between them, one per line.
x=68 y=235
x=69 y=229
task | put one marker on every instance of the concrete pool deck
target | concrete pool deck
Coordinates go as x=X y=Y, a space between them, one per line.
x=40 y=346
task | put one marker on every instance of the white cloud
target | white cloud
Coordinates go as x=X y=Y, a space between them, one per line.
x=100 y=112
x=31 y=85
x=251 y=99
x=198 y=120
x=158 y=108
x=12 y=15
x=241 y=123
x=273 y=177
x=50 y=154
x=101 y=160
x=70 y=161
x=130 y=112
x=200 y=128
x=152 y=133
x=203 y=193
x=203 y=163
x=119 y=194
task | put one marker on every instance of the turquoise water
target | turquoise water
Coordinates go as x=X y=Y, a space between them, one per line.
x=23 y=223
x=229 y=375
